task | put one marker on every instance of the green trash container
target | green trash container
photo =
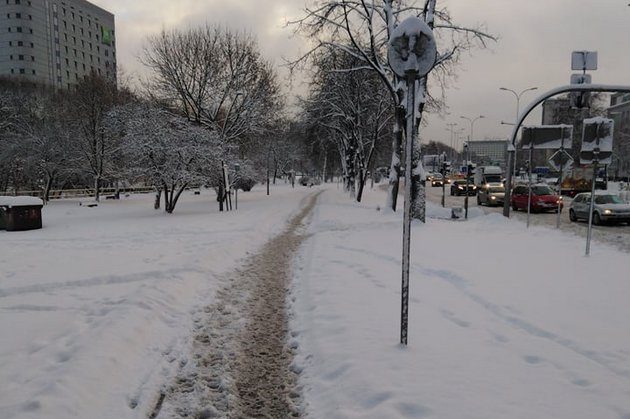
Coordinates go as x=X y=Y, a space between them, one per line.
x=18 y=213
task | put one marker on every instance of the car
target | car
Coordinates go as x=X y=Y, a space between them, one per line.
x=543 y=198
x=458 y=187
x=436 y=179
x=491 y=194
x=606 y=208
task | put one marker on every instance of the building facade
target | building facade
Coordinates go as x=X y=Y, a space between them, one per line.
x=619 y=111
x=56 y=42
x=488 y=152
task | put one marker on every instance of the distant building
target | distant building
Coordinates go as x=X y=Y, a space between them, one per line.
x=488 y=152
x=56 y=42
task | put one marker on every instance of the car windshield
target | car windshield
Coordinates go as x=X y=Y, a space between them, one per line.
x=608 y=199
x=541 y=190
x=496 y=189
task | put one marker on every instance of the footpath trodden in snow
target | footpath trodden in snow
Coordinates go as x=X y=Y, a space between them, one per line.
x=241 y=360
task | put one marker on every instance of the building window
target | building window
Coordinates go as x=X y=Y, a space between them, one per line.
x=10 y=43
x=21 y=57
x=22 y=71
x=19 y=29
x=33 y=72
x=18 y=15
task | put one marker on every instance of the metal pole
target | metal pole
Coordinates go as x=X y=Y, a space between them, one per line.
x=590 y=211
x=560 y=178
x=404 y=312
x=467 y=180
x=529 y=197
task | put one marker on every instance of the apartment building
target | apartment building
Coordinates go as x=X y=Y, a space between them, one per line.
x=56 y=42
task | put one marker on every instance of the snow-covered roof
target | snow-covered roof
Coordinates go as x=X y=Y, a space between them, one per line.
x=19 y=201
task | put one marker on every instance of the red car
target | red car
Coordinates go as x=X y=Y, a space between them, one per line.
x=543 y=199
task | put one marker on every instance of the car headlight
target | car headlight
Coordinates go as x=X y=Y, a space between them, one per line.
x=608 y=212
x=493 y=197
x=460 y=187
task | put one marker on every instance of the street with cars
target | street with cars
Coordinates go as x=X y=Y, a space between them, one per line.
x=605 y=231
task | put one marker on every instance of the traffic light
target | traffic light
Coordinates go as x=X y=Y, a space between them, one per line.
x=471 y=170
x=444 y=168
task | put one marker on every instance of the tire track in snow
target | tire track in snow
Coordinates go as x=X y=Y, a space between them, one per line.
x=241 y=362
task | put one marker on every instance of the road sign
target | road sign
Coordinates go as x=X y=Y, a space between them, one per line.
x=581 y=79
x=547 y=137
x=584 y=60
x=597 y=141
x=412 y=48
x=560 y=159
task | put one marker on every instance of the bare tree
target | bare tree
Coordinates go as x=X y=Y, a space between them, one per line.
x=95 y=149
x=356 y=110
x=166 y=150
x=362 y=28
x=217 y=78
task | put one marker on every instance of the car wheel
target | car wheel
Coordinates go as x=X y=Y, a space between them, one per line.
x=514 y=207
x=597 y=220
x=572 y=215
x=478 y=201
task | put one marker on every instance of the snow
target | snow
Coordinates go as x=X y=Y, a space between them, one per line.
x=17 y=201
x=98 y=309
x=505 y=322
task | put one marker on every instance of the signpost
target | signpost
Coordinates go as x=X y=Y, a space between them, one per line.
x=597 y=142
x=412 y=54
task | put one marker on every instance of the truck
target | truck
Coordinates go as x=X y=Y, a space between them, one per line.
x=488 y=174
x=579 y=179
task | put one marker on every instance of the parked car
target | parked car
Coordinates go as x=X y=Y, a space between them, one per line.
x=492 y=194
x=458 y=187
x=543 y=198
x=606 y=208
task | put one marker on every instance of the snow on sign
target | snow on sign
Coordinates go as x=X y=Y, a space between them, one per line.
x=597 y=141
x=584 y=60
x=547 y=137
x=412 y=48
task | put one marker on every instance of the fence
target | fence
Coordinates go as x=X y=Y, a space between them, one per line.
x=82 y=192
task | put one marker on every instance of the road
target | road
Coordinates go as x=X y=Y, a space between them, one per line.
x=615 y=235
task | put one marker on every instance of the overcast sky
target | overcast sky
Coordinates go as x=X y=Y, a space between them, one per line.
x=534 y=49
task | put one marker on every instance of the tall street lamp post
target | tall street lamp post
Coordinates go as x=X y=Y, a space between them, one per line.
x=512 y=159
x=472 y=124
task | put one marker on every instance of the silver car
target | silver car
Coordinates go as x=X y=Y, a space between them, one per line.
x=607 y=208
x=491 y=195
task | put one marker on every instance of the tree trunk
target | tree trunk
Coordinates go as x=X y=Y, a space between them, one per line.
x=165 y=197
x=394 y=169
x=361 y=185
x=158 y=196
x=97 y=188
x=48 y=187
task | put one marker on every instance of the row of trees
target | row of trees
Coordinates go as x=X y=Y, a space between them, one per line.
x=350 y=39
x=211 y=102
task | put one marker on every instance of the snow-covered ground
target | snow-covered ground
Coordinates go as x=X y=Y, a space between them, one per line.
x=97 y=310
x=505 y=322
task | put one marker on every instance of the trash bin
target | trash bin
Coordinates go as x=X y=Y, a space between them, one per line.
x=20 y=213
